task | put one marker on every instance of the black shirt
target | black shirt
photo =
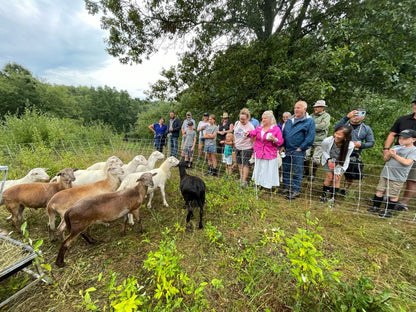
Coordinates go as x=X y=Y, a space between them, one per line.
x=223 y=127
x=403 y=123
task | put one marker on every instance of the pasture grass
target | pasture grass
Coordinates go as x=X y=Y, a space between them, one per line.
x=245 y=270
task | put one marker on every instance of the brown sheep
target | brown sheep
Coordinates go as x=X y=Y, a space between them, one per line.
x=103 y=208
x=34 y=195
x=63 y=200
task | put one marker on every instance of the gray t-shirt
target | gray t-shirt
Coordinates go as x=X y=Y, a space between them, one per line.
x=335 y=151
x=395 y=171
x=211 y=130
x=189 y=139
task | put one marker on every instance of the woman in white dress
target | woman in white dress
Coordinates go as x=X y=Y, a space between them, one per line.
x=268 y=139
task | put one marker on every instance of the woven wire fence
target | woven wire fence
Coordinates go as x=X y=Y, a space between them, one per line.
x=357 y=199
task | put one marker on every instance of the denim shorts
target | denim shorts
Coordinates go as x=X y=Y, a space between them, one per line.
x=188 y=152
x=210 y=149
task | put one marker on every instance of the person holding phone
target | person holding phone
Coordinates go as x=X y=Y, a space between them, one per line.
x=363 y=138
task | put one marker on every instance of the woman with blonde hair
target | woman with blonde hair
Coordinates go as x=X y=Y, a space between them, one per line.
x=268 y=139
x=243 y=144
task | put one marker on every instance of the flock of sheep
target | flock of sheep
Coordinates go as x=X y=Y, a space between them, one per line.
x=101 y=193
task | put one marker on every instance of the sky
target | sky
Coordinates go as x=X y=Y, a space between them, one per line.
x=60 y=43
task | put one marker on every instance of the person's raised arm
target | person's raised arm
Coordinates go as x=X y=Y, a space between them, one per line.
x=389 y=141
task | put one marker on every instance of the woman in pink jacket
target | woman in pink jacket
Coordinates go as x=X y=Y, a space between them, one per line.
x=268 y=139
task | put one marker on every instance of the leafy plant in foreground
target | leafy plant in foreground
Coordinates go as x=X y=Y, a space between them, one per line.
x=214 y=235
x=171 y=284
x=359 y=298
x=128 y=296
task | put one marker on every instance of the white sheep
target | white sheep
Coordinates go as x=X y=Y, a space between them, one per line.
x=34 y=175
x=153 y=158
x=85 y=176
x=103 y=208
x=163 y=173
x=132 y=166
x=61 y=201
x=34 y=195
x=103 y=165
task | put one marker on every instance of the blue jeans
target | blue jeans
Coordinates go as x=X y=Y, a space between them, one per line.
x=159 y=144
x=293 y=161
x=173 y=146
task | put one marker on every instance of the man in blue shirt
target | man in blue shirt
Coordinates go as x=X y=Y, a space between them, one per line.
x=254 y=122
x=298 y=135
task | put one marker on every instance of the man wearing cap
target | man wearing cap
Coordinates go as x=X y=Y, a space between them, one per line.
x=225 y=126
x=298 y=135
x=184 y=128
x=403 y=123
x=362 y=136
x=174 y=127
x=322 y=121
x=399 y=161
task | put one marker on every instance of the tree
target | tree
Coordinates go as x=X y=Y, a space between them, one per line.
x=272 y=52
x=137 y=28
x=113 y=107
x=18 y=89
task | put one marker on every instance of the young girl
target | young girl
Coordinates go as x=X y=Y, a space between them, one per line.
x=210 y=136
x=227 y=157
x=336 y=151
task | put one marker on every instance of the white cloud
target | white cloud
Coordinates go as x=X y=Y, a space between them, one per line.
x=60 y=43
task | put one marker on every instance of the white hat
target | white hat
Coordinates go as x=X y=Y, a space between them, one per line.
x=320 y=103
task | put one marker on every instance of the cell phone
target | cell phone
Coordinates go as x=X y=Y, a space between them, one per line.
x=361 y=113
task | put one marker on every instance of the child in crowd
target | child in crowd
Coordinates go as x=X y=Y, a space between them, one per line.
x=399 y=161
x=190 y=140
x=210 y=148
x=227 y=157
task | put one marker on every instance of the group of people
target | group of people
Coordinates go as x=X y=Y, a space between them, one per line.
x=292 y=144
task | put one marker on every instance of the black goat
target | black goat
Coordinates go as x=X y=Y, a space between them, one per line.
x=192 y=189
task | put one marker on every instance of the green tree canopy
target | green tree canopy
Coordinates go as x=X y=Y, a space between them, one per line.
x=20 y=91
x=270 y=52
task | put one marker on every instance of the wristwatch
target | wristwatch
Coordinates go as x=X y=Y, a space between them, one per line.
x=386 y=148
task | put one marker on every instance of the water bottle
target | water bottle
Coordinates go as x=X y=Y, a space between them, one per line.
x=332 y=164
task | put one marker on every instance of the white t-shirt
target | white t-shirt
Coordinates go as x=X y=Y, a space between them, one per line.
x=242 y=142
x=200 y=125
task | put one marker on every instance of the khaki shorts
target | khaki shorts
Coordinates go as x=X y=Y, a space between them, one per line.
x=412 y=173
x=317 y=154
x=394 y=187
